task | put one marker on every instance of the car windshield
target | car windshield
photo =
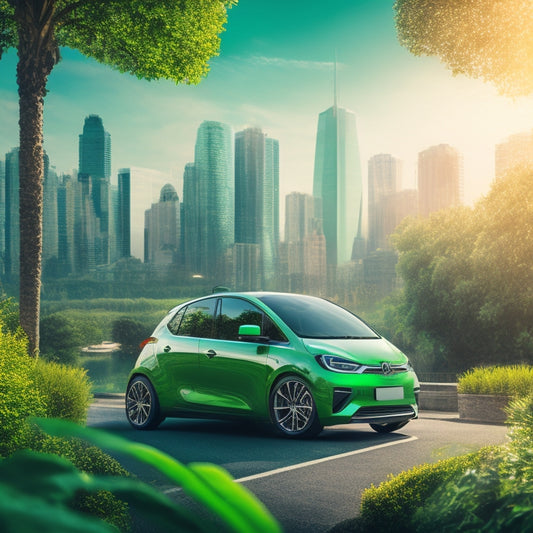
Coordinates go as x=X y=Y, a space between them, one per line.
x=314 y=318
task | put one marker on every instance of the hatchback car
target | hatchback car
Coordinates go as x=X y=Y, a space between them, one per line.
x=297 y=362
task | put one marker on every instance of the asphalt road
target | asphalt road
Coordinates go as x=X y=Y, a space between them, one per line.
x=309 y=486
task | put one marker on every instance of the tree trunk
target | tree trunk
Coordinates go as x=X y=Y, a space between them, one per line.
x=38 y=53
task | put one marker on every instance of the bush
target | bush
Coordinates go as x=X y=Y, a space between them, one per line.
x=396 y=500
x=66 y=390
x=91 y=460
x=515 y=380
x=60 y=340
x=490 y=499
x=129 y=333
x=18 y=396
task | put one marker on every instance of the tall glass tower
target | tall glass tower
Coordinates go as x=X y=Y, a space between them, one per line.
x=214 y=171
x=338 y=182
x=95 y=167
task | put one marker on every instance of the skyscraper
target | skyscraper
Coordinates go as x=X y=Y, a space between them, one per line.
x=337 y=182
x=257 y=197
x=95 y=166
x=215 y=173
x=50 y=184
x=95 y=149
x=515 y=150
x=2 y=217
x=66 y=194
x=190 y=229
x=384 y=178
x=124 y=213
x=440 y=179
x=162 y=229
x=12 y=226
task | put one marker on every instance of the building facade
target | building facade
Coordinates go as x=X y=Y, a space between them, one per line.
x=440 y=179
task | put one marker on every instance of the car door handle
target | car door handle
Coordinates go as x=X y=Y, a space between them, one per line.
x=166 y=349
x=210 y=354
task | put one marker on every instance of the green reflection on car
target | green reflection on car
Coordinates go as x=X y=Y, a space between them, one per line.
x=296 y=362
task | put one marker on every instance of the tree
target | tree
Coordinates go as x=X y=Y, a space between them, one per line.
x=487 y=39
x=468 y=277
x=151 y=39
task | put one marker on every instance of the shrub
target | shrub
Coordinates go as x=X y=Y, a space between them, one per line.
x=66 y=390
x=515 y=380
x=396 y=500
x=18 y=396
x=60 y=340
x=129 y=333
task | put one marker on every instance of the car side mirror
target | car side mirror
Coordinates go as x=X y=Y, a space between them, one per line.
x=251 y=333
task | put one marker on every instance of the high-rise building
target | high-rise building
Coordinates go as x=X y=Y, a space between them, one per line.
x=95 y=149
x=515 y=150
x=95 y=166
x=337 y=182
x=12 y=227
x=440 y=179
x=162 y=229
x=214 y=171
x=257 y=197
x=124 y=213
x=384 y=179
x=190 y=229
x=306 y=246
x=50 y=236
x=2 y=217
x=66 y=199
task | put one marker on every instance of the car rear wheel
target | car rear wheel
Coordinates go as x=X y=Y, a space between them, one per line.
x=142 y=404
x=387 y=428
x=293 y=410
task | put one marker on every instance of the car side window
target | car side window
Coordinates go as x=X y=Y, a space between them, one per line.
x=174 y=323
x=234 y=313
x=198 y=319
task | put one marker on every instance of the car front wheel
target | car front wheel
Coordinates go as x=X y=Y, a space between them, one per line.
x=293 y=410
x=142 y=404
x=387 y=428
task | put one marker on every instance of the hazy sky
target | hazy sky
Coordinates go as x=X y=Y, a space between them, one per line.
x=275 y=71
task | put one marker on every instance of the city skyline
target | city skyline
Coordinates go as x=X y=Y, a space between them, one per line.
x=276 y=72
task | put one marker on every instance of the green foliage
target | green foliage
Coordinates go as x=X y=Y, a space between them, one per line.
x=9 y=314
x=519 y=461
x=468 y=279
x=66 y=390
x=129 y=333
x=396 y=500
x=233 y=505
x=60 y=339
x=514 y=380
x=491 y=40
x=18 y=396
x=489 y=499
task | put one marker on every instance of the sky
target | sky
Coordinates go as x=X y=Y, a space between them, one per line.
x=275 y=71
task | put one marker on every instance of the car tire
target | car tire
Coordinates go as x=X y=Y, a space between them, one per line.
x=387 y=428
x=142 y=404
x=293 y=410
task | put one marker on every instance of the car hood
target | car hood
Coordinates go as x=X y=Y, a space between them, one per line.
x=362 y=351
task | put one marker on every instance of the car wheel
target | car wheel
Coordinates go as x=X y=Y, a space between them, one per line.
x=387 y=428
x=142 y=404
x=293 y=410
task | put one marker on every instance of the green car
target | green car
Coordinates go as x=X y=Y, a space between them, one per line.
x=297 y=362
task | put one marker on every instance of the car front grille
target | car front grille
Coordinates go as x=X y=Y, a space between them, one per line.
x=377 y=369
x=384 y=411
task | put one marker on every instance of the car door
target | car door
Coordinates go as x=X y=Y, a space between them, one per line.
x=178 y=352
x=233 y=372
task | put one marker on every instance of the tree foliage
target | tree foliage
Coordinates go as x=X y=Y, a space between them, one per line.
x=487 y=39
x=469 y=278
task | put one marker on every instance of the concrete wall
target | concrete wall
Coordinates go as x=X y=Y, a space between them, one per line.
x=438 y=397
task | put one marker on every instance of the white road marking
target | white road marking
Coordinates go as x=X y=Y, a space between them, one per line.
x=309 y=463
x=323 y=460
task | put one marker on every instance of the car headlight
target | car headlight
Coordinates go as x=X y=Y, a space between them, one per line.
x=338 y=364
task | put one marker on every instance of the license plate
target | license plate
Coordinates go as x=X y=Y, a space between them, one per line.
x=389 y=393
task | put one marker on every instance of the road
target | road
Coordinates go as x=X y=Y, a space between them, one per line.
x=309 y=486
